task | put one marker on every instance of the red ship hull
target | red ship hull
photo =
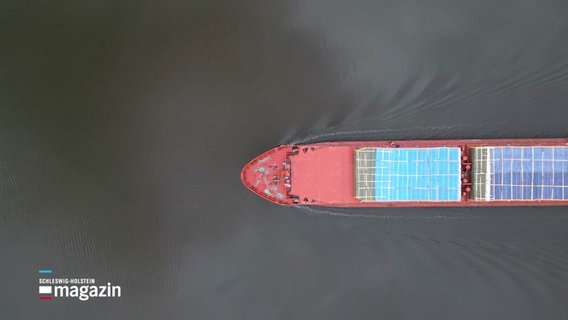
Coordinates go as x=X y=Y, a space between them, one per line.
x=323 y=174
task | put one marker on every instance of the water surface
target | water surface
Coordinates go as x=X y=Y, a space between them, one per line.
x=124 y=127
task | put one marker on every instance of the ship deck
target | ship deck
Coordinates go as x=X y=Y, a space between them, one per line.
x=323 y=175
x=424 y=173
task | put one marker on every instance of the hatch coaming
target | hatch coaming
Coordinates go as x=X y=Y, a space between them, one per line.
x=408 y=174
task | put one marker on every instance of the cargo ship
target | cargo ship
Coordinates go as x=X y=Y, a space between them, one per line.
x=413 y=173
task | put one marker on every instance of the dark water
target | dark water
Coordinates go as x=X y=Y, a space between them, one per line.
x=123 y=127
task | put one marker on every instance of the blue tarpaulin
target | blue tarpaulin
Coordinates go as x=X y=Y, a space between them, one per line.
x=417 y=174
x=524 y=173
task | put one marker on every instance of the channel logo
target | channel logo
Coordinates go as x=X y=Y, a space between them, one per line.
x=78 y=288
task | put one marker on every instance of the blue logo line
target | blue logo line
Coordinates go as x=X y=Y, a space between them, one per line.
x=45 y=271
